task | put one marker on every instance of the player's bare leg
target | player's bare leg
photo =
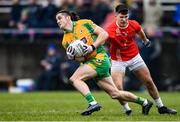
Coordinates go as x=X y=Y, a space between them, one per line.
x=118 y=78
x=108 y=85
x=84 y=72
x=144 y=75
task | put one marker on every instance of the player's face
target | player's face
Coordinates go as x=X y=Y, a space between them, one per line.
x=122 y=19
x=61 y=20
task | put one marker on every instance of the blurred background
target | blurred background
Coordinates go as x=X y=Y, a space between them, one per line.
x=32 y=58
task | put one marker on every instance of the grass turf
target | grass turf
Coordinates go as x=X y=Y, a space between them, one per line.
x=67 y=106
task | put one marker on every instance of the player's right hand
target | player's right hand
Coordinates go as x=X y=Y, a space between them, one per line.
x=88 y=49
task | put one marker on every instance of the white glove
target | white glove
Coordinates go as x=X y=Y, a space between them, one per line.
x=70 y=53
x=88 y=49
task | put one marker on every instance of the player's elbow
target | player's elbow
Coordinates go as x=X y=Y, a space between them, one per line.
x=105 y=36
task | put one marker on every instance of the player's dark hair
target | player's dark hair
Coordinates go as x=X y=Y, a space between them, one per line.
x=122 y=8
x=73 y=15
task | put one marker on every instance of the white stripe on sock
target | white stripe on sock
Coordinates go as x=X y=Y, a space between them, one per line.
x=93 y=102
x=145 y=102
x=159 y=102
x=126 y=107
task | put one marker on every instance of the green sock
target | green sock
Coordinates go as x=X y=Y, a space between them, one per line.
x=140 y=100
x=90 y=98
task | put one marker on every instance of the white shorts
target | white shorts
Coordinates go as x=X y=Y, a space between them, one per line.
x=133 y=64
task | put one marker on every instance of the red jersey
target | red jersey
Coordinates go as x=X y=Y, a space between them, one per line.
x=122 y=44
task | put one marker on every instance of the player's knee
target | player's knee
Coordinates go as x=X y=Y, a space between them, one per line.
x=119 y=87
x=149 y=83
x=118 y=84
x=72 y=80
x=114 y=94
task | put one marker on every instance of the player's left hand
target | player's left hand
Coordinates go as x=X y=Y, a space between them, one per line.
x=88 y=49
x=147 y=43
x=70 y=53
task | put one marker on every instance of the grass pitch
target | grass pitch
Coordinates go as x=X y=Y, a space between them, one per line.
x=67 y=106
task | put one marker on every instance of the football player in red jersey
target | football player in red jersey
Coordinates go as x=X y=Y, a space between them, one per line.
x=125 y=54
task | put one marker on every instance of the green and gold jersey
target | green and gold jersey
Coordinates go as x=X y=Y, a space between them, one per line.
x=82 y=30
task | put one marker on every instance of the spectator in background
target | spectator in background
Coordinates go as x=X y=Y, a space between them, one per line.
x=152 y=16
x=31 y=16
x=49 y=79
x=49 y=13
x=85 y=11
x=15 y=15
x=67 y=4
x=102 y=7
x=139 y=9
